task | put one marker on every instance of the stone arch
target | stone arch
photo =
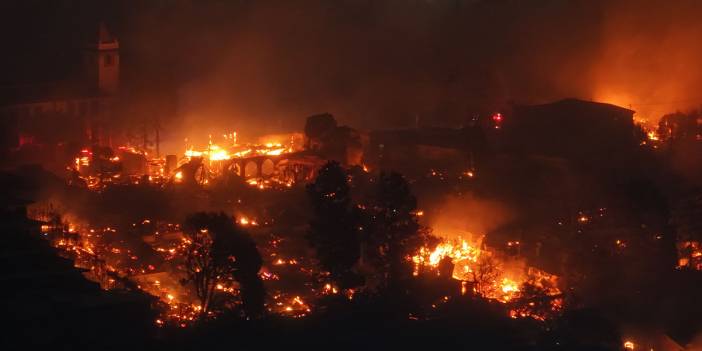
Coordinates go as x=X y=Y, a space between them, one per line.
x=267 y=167
x=251 y=169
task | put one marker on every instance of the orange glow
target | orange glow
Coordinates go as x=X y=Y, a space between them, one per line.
x=491 y=276
x=629 y=345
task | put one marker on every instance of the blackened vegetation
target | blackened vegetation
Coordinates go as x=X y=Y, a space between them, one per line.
x=384 y=227
x=220 y=250
x=335 y=229
x=394 y=232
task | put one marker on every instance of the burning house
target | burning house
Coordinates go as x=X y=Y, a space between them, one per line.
x=687 y=217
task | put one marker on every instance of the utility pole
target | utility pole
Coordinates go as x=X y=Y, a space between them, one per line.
x=158 y=137
x=146 y=137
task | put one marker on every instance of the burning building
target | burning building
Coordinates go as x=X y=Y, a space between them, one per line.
x=687 y=217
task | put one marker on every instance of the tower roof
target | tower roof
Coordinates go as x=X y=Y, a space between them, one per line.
x=104 y=35
x=101 y=38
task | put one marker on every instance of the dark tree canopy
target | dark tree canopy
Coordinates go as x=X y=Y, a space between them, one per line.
x=334 y=229
x=395 y=233
x=221 y=249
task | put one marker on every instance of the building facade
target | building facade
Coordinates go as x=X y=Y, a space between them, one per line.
x=77 y=109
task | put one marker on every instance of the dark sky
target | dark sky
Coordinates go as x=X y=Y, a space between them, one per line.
x=236 y=64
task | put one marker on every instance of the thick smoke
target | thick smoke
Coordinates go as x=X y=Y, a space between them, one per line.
x=469 y=217
x=263 y=66
x=649 y=56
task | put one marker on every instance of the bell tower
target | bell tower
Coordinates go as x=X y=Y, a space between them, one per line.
x=101 y=62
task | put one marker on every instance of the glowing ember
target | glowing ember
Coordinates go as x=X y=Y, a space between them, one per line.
x=486 y=274
x=329 y=289
x=629 y=345
x=690 y=255
x=652 y=135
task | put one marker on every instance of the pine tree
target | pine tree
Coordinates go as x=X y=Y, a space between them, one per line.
x=334 y=229
x=394 y=231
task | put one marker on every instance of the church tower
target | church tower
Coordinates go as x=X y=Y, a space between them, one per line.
x=101 y=62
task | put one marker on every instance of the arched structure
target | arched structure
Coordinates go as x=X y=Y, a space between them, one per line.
x=294 y=166
x=267 y=168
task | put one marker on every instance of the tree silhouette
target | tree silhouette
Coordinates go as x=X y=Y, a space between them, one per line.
x=334 y=229
x=220 y=251
x=395 y=234
x=485 y=274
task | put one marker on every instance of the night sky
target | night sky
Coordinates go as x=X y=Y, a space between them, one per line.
x=370 y=63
